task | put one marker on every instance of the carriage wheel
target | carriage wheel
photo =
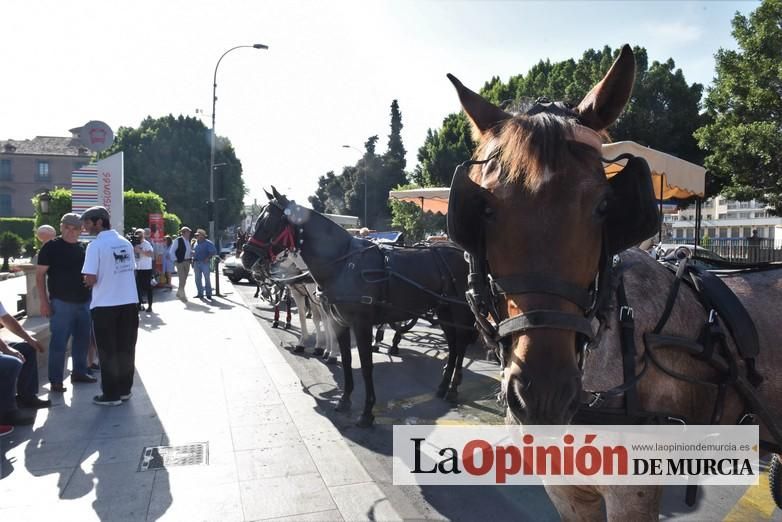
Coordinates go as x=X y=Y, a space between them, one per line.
x=404 y=326
x=775 y=479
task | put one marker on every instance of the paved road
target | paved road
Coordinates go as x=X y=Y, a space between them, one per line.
x=405 y=395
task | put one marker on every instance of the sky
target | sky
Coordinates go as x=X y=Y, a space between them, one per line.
x=329 y=76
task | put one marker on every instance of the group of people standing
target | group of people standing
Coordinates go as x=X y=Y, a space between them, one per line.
x=198 y=253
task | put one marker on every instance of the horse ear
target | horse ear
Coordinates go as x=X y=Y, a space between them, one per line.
x=606 y=101
x=276 y=194
x=483 y=114
x=268 y=195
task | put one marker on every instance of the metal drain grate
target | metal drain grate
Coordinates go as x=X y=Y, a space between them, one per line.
x=161 y=457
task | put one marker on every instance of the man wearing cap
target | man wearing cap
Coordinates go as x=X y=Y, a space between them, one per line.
x=182 y=253
x=109 y=271
x=67 y=304
x=202 y=253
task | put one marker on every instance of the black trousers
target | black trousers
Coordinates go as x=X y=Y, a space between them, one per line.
x=116 y=331
x=144 y=285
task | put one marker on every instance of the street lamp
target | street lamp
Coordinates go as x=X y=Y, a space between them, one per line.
x=365 y=181
x=44 y=200
x=212 y=152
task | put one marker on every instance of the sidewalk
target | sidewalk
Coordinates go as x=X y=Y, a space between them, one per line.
x=205 y=372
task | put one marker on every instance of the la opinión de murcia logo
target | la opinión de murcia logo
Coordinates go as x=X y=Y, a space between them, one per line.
x=97 y=136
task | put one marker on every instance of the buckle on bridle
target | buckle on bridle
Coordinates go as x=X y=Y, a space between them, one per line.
x=626 y=313
x=597 y=400
x=367 y=299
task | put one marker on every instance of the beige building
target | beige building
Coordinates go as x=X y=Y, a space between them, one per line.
x=29 y=167
x=726 y=218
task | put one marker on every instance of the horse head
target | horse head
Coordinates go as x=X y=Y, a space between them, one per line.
x=535 y=209
x=275 y=232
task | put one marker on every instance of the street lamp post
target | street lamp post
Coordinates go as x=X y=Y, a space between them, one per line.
x=212 y=151
x=364 y=223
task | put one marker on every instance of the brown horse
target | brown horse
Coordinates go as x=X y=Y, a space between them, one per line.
x=535 y=211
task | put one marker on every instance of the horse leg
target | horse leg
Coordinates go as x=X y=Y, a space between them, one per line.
x=317 y=319
x=257 y=290
x=363 y=334
x=453 y=391
x=394 y=350
x=330 y=356
x=577 y=503
x=276 y=321
x=287 y=308
x=343 y=337
x=450 y=366
x=378 y=338
x=300 y=307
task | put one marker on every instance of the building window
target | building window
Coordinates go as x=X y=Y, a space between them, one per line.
x=679 y=233
x=43 y=171
x=5 y=170
x=722 y=216
x=5 y=205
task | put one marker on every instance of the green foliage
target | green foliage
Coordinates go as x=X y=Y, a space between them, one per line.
x=663 y=111
x=743 y=139
x=138 y=207
x=10 y=246
x=344 y=193
x=170 y=156
x=59 y=204
x=415 y=224
x=23 y=227
x=172 y=224
x=443 y=150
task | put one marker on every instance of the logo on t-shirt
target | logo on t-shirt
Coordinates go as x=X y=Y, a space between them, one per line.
x=123 y=262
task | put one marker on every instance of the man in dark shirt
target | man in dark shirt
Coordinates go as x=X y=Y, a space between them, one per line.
x=68 y=302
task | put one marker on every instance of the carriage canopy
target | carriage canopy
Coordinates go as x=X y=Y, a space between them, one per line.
x=672 y=177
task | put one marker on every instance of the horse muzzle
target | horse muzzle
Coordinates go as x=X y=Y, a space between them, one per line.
x=544 y=401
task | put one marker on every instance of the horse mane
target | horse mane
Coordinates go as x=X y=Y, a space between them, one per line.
x=531 y=148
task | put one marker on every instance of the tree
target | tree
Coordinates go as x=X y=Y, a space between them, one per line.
x=10 y=246
x=138 y=207
x=170 y=156
x=414 y=223
x=663 y=112
x=744 y=138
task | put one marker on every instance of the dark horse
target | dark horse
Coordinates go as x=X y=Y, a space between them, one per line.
x=366 y=285
x=658 y=351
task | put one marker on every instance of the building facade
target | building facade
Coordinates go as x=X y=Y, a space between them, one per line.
x=725 y=218
x=34 y=166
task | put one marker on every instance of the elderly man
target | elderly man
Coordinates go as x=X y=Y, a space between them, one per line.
x=67 y=303
x=45 y=233
x=182 y=254
x=203 y=252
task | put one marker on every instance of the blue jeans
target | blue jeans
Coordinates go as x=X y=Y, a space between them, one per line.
x=68 y=320
x=202 y=268
x=17 y=378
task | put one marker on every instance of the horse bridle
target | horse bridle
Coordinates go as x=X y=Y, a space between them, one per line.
x=485 y=292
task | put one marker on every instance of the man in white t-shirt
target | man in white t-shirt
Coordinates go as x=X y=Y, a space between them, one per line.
x=143 y=252
x=109 y=270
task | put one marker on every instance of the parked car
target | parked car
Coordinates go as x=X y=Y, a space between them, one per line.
x=702 y=256
x=234 y=270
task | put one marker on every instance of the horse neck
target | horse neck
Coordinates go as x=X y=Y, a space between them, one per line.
x=322 y=242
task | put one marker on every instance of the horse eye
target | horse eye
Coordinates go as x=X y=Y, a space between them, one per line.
x=602 y=208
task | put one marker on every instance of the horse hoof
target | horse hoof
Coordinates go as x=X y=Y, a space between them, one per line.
x=452 y=396
x=366 y=421
x=331 y=360
x=298 y=349
x=317 y=351
x=343 y=405
x=440 y=393
x=394 y=350
x=287 y=326
x=275 y=324
x=376 y=348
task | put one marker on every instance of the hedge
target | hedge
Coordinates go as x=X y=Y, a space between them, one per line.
x=22 y=227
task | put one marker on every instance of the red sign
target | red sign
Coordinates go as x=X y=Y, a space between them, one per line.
x=157 y=237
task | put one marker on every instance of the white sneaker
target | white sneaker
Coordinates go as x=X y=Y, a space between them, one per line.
x=126 y=397
x=103 y=401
